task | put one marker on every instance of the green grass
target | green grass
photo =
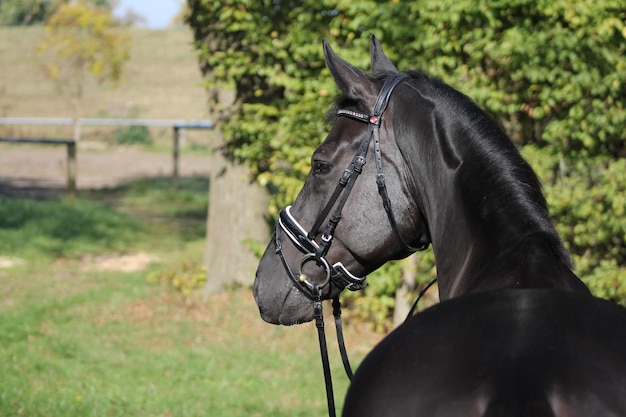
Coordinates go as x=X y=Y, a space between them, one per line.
x=79 y=341
x=113 y=346
x=181 y=211
x=118 y=219
x=61 y=227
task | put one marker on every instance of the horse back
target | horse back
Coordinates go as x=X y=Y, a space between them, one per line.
x=513 y=353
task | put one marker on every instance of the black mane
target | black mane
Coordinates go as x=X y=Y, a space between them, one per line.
x=490 y=150
x=492 y=153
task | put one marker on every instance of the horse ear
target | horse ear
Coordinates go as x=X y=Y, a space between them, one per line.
x=380 y=63
x=352 y=82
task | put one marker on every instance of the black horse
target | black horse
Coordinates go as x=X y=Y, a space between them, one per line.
x=516 y=333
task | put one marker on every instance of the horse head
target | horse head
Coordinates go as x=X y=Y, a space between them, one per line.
x=439 y=170
x=342 y=225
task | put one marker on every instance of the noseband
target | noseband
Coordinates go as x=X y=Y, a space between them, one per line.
x=337 y=274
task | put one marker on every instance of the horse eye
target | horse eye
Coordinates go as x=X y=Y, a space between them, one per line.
x=321 y=167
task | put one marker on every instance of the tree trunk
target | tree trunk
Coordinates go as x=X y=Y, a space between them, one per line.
x=236 y=224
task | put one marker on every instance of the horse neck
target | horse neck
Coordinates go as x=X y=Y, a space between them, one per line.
x=477 y=253
x=489 y=228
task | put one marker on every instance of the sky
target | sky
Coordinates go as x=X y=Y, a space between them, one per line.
x=157 y=13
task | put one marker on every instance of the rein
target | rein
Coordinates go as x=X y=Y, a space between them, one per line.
x=319 y=324
x=321 y=334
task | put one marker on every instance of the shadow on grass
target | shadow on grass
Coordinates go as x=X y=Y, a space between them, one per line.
x=153 y=200
x=44 y=220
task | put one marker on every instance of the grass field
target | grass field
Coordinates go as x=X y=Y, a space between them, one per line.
x=80 y=339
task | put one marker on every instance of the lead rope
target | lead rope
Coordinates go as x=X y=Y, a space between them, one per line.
x=319 y=323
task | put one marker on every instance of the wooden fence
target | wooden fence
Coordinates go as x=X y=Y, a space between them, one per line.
x=176 y=125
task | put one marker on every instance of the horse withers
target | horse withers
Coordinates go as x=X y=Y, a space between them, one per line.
x=517 y=333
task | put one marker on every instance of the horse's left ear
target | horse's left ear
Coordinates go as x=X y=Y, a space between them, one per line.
x=380 y=63
x=352 y=82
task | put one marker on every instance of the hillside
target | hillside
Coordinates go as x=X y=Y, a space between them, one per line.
x=161 y=80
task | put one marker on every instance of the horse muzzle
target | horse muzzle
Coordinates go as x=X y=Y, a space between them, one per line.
x=314 y=255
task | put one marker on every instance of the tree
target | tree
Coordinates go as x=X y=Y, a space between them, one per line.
x=236 y=221
x=552 y=72
x=24 y=12
x=82 y=42
x=236 y=225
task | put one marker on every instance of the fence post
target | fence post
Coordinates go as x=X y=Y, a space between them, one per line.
x=71 y=169
x=175 y=152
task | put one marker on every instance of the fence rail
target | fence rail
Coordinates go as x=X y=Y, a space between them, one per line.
x=47 y=141
x=176 y=124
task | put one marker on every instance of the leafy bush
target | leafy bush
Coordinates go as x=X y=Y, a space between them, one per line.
x=588 y=202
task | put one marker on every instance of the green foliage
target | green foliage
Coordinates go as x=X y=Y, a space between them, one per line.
x=85 y=41
x=375 y=304
x=588 y=199
x=552 y=72
x=133 y=135
x=24 y=12
x=272 y=54
x=188 y=277
x=31 y=12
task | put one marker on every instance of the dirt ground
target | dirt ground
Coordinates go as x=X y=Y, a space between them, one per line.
x=33 y=170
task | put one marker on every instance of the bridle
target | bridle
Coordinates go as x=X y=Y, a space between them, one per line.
x=337 y=274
